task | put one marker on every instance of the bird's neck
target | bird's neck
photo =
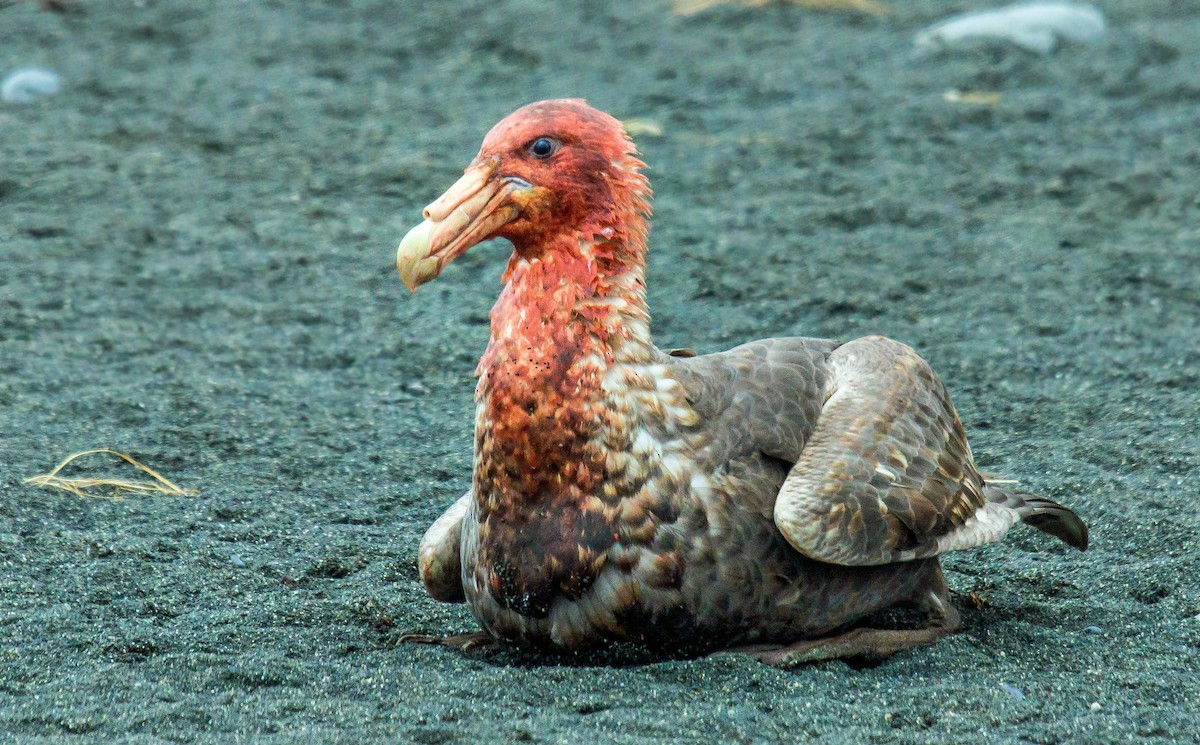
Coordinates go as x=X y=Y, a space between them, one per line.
x=577 y=297
x=567 y=315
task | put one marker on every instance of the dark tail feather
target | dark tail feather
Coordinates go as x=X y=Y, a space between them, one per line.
x=1051 y=517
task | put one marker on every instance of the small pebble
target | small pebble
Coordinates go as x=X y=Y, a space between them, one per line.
x=237 y=561
x=1095 y=706
x=29 y=84
x=417 y=387
x=1013 y=691
x=1092 y=629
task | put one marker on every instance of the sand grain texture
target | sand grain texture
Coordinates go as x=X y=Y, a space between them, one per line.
x=196 y=245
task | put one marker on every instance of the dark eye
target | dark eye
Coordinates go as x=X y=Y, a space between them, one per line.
x=543 y=147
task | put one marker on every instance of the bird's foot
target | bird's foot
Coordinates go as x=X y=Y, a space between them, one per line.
x=868 y=643
x=462 y=642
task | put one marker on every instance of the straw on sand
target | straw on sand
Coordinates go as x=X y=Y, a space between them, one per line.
x=79 y=485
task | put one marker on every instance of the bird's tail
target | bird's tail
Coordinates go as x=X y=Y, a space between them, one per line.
x=1044 y=514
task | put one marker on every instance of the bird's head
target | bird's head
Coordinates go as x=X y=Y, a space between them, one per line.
x=548 y=171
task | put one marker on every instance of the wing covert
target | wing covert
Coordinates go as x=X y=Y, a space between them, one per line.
x=887 y=474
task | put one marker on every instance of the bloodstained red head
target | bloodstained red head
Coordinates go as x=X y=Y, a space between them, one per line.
x=548 y=175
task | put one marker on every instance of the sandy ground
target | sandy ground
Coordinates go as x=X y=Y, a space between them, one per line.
x=196 y=246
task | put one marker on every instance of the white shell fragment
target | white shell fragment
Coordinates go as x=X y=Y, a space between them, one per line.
x=29 y=84
x=1037 y=27
x=1013 y=691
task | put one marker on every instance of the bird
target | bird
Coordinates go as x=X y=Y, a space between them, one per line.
x=773 y=499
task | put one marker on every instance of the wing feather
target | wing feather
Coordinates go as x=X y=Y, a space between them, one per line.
x=887 y=474
x=439 y=556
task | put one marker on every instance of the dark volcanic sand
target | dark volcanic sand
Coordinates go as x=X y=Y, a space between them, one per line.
x=196 y=246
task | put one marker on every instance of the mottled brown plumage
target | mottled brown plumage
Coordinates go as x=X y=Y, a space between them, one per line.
x=771 y=495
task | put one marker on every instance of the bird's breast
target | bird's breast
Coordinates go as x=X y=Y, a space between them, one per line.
x=539 y=466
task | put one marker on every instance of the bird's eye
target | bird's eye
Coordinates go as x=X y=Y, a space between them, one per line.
x=543 y=147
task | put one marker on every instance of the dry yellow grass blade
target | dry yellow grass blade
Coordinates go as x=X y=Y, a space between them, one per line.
x=973 y=98
x=871 y=7
x=79 y=485
x=637 y=127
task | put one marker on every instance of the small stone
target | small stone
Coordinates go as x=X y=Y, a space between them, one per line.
x=29 y=84
x=237 y=561
x=1092 y=629
x=1095 y=706
x=416 y=387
